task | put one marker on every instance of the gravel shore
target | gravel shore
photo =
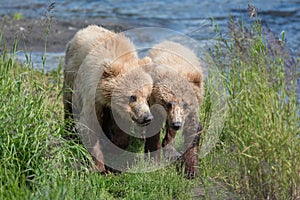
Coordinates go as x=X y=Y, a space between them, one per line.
x=32 y=33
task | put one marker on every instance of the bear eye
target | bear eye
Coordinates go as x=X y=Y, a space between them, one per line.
x=185 y=106
x=169 y=105
x=132 y=98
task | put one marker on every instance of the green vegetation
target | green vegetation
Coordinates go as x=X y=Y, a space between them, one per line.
x=259 y=151
x=37 y=163
x=257 y=156
x=18 y=16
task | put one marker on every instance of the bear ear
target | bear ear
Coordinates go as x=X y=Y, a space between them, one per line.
x=196 y=79
x=146 y=64
x=145 y=61
x=111 y=68
x=147 y=68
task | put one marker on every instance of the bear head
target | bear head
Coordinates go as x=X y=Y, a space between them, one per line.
x=175 y=94
x=129 y=89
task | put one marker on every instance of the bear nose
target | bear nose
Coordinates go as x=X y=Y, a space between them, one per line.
x=147 y=118
x=176 y=125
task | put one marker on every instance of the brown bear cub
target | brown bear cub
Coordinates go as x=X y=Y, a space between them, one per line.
x=103 y=75
x=178 y=87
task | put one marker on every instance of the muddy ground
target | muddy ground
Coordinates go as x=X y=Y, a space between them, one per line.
x=32 y=34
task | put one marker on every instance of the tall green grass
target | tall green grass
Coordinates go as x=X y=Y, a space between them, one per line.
x=257 y=157
x=259 y=151
x=36 y=162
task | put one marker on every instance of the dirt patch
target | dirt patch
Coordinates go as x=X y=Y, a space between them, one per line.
x=32 y=33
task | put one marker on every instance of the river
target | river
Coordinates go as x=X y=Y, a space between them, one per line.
x=190 y=17
x=183 y=16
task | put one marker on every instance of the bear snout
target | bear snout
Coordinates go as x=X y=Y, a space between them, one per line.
x=147 y=119
x=176 y=125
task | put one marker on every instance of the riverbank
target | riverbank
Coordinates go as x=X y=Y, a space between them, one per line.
x=256 y=156
x=32 y=33
x=257 y=151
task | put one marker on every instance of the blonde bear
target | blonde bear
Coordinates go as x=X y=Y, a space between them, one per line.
x=178 y=87
x=103 y=75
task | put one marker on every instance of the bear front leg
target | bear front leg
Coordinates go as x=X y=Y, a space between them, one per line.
x=98 y=158
x=168 y=145
x=90 y=134
x=152 y=145
x=111 y=129
x=190 y=156
x=190 y=159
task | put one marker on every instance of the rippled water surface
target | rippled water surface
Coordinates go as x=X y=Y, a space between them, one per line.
x=190 y=17
x=183 y=16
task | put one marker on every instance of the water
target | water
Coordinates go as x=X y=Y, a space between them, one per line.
x=191 y=17
x=183 y=16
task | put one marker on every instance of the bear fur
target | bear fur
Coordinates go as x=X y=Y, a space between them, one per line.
x=183 y=61
x=77 y=49
x=178 y=87
x=103 y=75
